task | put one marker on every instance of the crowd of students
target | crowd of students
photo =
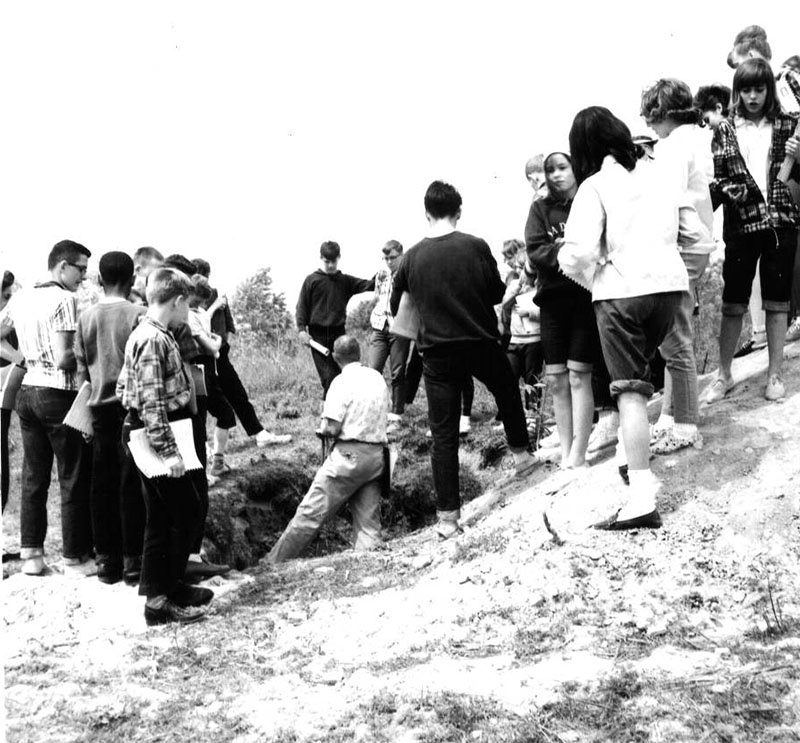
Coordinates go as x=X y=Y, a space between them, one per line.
x=618 y=235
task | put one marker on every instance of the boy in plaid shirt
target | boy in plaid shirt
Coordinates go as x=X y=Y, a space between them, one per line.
x=155 y=389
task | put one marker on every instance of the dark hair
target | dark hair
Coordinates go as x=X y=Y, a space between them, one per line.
x=751 y=73
x=793 y=62
x=669 y=99
x=164 y=284
x=202 y=266
x=66 y=250
x=201 y=289
x=708 y=96
x=181 y=263
x=347 y=349
x=8 y=279
x=595 y=133
x=392 y=246
x=750 y=38
x=442 y=200
x=330 y=250
x=146 y=255
x=116 y=268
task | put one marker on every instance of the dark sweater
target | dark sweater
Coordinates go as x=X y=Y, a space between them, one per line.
x=546 y=221
x=454 y=282
x=324 y=296
x=100 y=340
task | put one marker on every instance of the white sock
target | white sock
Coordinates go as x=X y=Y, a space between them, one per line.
x=665 y=421
x=642 y=496
x=621 y=458
x=195 y=557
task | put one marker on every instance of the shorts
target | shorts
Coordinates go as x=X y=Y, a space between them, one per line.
x=776 y=249
x=569 y=334
x=631 y=329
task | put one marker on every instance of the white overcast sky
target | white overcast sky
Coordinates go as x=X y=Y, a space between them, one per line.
x=249 y=132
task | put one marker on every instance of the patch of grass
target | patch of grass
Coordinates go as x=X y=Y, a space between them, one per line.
x=477 y=545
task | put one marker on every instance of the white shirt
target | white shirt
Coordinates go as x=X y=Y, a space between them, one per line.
x=359 y=400
x=621 y=238
x=686 y=155
x=755 y=140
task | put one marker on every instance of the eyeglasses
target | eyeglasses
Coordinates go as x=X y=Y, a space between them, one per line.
x=391 y=257
x=82 y=269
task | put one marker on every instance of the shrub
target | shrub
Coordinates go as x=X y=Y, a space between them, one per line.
x=259 y=308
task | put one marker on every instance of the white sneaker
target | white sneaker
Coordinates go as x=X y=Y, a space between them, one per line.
x=267 y=438
x=793 y=333
x=80 y=567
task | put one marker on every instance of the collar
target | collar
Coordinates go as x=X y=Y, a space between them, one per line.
x=741 y=121
x=111 y=300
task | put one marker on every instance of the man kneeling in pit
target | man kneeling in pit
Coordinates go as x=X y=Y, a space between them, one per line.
x=355 y=417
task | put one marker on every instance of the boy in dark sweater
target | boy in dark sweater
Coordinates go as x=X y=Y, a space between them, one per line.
x=115 y=497
x=322 y=309
x=454 y=282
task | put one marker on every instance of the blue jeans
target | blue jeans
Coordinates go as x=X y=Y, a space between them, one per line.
x=383 y=345
x=445 y=370
x=41 y=411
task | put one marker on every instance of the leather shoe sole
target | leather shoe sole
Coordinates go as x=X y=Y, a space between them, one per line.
x=171 y=612
x=650 y=520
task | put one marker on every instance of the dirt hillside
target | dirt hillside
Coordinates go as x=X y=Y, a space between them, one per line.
x=687 y=633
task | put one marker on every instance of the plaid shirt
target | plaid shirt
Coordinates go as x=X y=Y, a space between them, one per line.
x=381 y=313
x=153 y=382
x=756 y=213
x=38 y=314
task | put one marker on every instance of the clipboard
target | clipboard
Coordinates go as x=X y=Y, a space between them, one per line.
x=150 y=463
x=79 y=416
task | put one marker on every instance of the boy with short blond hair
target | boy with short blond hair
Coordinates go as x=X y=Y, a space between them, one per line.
x=155 y=389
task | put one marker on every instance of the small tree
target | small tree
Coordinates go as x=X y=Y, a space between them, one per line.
x=258 y=306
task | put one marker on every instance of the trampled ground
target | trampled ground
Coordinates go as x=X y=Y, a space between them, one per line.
x=687 y=633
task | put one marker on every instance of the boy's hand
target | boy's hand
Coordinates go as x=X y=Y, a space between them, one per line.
x=736 y=192
x=176 y=466
x=304 y=337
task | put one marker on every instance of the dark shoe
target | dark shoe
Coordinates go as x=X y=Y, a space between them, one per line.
x=185 y=595
x=650 y=520
x=131 y=570
x=10 y=557
x=197 y=571
x=109 y=570
x=171 y=612
x=755 y=343
x=623 y=473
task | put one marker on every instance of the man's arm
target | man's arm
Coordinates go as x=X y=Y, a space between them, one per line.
x=302 y=312
x=63 y=350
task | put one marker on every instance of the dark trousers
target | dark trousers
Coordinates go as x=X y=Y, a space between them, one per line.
x=218 y=403
x=198 y=477
x=115 y=496
x=236 y=394
x=41 y=411
x=382 y=346
x=526 y=361
x=445 y=370
x=5 y=422
x=171 y=505
x=327 y=368
x=413 y=373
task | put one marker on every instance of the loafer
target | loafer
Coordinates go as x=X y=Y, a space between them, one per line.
x=171 y=612
x=197 y=571
x=131 y=570
x=267 y=438
x=187 y=595
x=109 y=570
x=650 y=520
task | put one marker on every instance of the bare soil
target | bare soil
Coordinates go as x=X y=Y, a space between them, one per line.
x=509 y=632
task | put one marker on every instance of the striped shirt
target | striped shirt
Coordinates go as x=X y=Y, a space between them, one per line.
x=38 y=314
x=153 y=382
x=381 y=313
